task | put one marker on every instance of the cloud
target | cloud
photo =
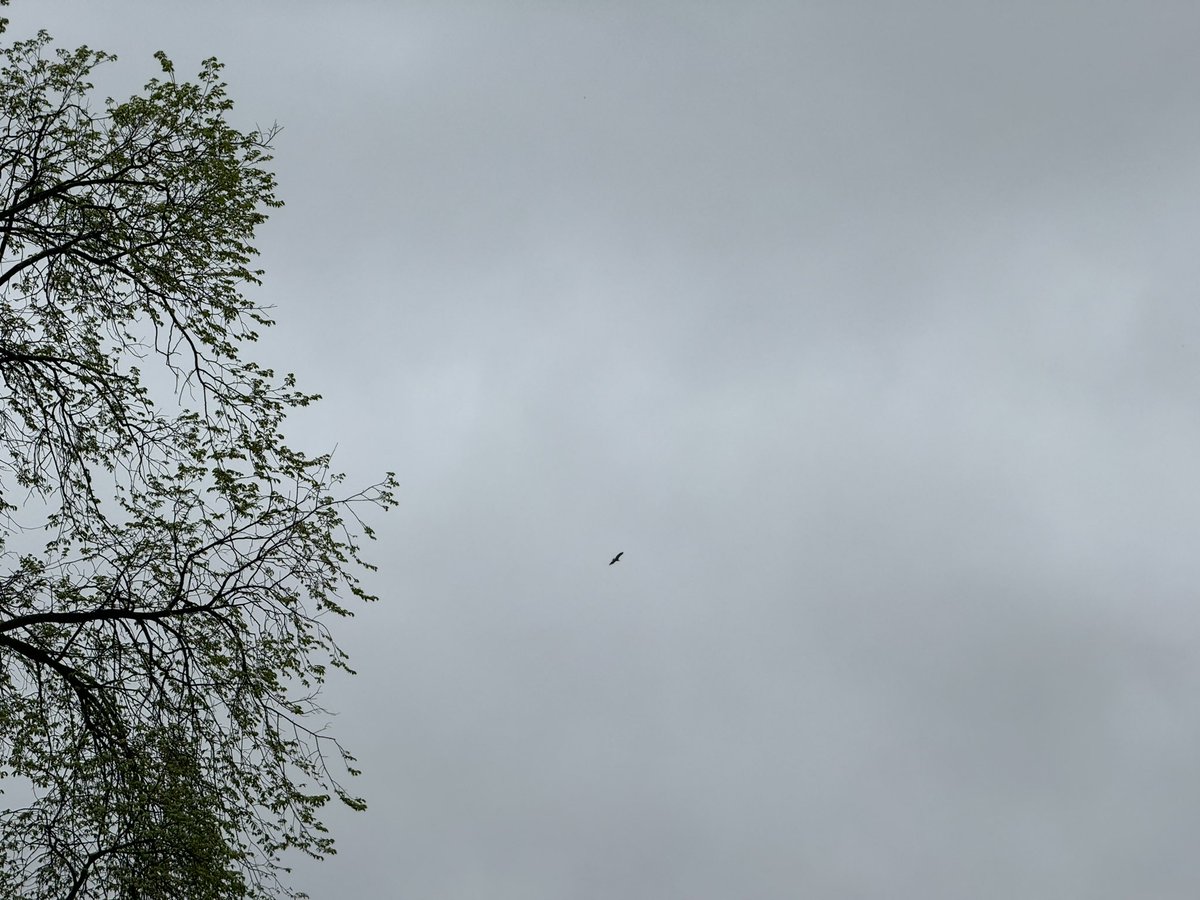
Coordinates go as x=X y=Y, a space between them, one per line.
x=866 y=332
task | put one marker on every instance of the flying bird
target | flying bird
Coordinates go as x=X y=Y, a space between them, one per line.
x=618 y=556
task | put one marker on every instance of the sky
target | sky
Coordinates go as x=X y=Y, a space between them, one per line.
x=868 y=331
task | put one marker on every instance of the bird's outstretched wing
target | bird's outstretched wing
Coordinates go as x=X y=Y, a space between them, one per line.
x=618 y=556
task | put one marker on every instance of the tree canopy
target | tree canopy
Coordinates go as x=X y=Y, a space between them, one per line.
x=169 y=566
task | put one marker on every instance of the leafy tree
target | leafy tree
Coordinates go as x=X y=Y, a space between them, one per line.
x=169 y=566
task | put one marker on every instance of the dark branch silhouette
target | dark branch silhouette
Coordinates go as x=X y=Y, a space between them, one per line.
x=169 y=566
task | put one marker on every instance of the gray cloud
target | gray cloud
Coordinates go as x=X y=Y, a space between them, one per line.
x=866 y=331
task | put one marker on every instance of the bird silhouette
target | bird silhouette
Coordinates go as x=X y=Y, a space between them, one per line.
x=618 y=556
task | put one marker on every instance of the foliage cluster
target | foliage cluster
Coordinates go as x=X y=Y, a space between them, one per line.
x=169 y=566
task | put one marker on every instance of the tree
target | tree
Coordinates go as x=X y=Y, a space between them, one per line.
x=169 y=566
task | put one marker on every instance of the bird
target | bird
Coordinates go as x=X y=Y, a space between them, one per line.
x=618 y=556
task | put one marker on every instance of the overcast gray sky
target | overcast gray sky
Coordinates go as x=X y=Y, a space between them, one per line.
x=868 y=331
